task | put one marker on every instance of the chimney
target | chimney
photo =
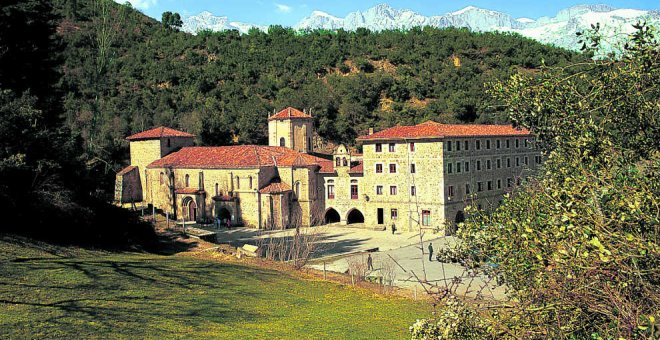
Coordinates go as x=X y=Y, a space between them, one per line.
x=371 y=131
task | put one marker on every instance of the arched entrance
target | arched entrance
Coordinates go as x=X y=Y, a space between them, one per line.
x=224 y=215
x=354 y=216
x=190 y=209
x=460 y=217
x=332 y=216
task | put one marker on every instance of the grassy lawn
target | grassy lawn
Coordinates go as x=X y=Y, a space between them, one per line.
x=47 y=291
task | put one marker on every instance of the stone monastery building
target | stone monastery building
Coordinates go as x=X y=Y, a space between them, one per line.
x=414 y=176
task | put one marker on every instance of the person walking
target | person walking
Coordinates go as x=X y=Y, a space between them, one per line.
x=370 y=263
x=393 y=228
x=430 y=251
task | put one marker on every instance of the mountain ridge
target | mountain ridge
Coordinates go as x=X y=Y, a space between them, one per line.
x=558 y=30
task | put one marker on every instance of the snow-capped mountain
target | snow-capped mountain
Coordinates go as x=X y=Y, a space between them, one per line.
x=558 y=30
x=207 y=21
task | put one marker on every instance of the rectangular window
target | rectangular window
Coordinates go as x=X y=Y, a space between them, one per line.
x=508 y=162
x=426 y=217
x=412 y=147
x=517 y=143
x=379 y=147
x=354 y=191
x=458 y=145
x=526 y=143
x=480 y=186
x=478 y=144
x=458 y=167
x=467 y=188
x=449 y=168
x=413 y=191
x=499 y=184
x=487 y=144
x=478 y=165
x=392 y=168
x=508 y=144
x=490 y=185
x=467 y=145
x=412 y=168
x=488 y=167
x=499 y=163
x=508 y=182
x=526 y=160
x=379 y=190
x=498 y=144
x=394 y=214
x=392 y=190
x=379 y=168
x=467 y=166
x=448 y=145
x=450 y=191
x=331 y=191
x=391 y=147
x=517 y=161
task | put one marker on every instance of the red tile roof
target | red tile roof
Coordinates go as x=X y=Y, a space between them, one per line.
x=289 y=113
x=230 y=157
x=327 y=166
x=159 y=132
x=357 y=169
x=126 y=170
x=188 y=191
x=275 y=188
x=432 y=129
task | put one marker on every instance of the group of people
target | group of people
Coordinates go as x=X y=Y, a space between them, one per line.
x=222 y=222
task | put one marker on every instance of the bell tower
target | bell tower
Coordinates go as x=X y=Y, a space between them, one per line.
x=291 y=128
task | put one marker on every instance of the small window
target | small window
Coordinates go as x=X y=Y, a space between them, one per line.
x=499 y=163
x=379 y=147
x=458 y=145
x=344 y=161
x=379 y=190
x=426 y=217
x=297 y=189
x=508 y=162
x=392 y=190
x=238 y=182
x=354 y=191
x=394 y=214
x=309 y=143
x=490 y=185
x=412 y=147
x=467 y=166
x=478 y=143
x=187 y=180
x=448 y=145
x=488 y=167
x=412 y=168
x=517 y=143
x=391 y=147
x=282 y=142
x=467 y=188
x=517 y=161
x=450 y=191
x=526 y=143
x=467 y=145
x=487 y=144
x=379 y=168
x=499 y=184
x=508 y=144
x=478 y=165
x=526 y=160
x=509 y=182
x=392 y=168
x=331 y=191
x=458 y=167
x=338 y=162
x=250 y=182
x=217 y=190
x=413 y=191
x=480 y=186
x=449 y=168
x=498 y=144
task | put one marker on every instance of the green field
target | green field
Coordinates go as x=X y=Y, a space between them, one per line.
x=47 y=291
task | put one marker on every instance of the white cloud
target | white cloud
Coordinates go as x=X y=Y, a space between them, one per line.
x=283 y=8
x=140 y=4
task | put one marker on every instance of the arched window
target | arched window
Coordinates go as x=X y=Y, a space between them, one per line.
x=250 y=182
x=238 y=182
x=345 y=161
x=282 y=142
x=187 y=180
x=297 y=189
x=338 y=162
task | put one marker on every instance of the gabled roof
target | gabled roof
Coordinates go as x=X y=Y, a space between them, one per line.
x=356 y=169
x=432 y=129
x=159 y=132
x=126 y=170
x=275 y=187
x=231 y=157
x=290 y=113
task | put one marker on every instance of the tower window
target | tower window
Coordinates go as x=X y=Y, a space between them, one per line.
x=282 y=141
x=338 y=162
x=187 y=182
x=345 y=161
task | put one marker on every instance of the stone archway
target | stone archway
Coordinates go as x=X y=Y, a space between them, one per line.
x=190 y=209
x=354 y=216
x=224 y=215
x=332 y=216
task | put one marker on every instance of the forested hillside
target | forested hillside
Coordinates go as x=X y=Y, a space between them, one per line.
x=124 y=72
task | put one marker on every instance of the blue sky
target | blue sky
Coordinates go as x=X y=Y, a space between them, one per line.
x=289 y=12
